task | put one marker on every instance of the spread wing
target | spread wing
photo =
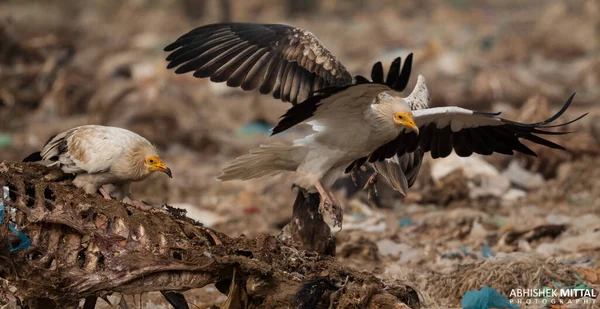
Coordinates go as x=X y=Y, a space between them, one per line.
x=288 y=62
x=360 y=93
x=443 y=129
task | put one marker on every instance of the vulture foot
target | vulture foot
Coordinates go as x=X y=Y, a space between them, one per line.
x=371 y=187
x=330 y=204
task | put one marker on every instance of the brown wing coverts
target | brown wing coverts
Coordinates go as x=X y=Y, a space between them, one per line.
x=397 y=79
x=289 y=62
x=483 y=140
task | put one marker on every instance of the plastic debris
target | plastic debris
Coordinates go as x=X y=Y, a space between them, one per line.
x=483 y=178
x=24 y=240
x=522 y=177
x=406 y=221
x=251 y=209
x=389 y=247
x=255 y=128
x=585 y=241
x=209 y=124
x=5 y=192
x=487 y=252
x=486 y=298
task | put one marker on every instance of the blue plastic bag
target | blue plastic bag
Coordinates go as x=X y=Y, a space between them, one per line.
x=486 y=298
x=25 y=242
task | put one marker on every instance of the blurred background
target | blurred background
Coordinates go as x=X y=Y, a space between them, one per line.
x=69 y=63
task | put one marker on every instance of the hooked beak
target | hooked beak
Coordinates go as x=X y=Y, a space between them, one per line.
x=167 y=171
x=161 y=167
x=406 y=119
x=411 y=125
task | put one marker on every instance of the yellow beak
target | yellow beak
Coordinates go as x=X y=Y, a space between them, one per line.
x=161 y=167
x=406 y=119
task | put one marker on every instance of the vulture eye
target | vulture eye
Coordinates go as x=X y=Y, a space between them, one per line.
x=151 y=160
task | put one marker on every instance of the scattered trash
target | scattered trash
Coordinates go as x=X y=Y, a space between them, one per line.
x=486 y=252
x=389 y=247
x=457 y=211
x=478 y=233
x=369 y=225
x=533 y=271
x=358 y=215
x=406 y=221
x=585 y=241
x=483 y=178
x=513 y=195
x=24 y=241
x=523 y=178
x=450 y=188
x=486 y=298
x=361 y=248
x=255 y=128
x=546 y=230
x=251 y=209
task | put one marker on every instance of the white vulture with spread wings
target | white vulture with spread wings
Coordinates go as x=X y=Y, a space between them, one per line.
x=103 y=158
x=354 y=120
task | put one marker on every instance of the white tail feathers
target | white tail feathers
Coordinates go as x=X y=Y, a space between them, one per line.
x=267 y=160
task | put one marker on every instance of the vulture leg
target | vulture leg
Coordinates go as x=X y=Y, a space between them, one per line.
x=330 y=204
x=371 y=186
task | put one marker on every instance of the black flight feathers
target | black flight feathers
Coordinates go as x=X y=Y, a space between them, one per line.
x=268 y=57
x=34 y=157
x=397 y=79
x=483 y=140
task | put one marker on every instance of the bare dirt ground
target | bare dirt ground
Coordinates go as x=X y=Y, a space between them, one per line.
x=506 y=222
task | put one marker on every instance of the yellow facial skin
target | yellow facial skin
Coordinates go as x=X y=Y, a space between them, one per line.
x=155 y=164
x=406 y=119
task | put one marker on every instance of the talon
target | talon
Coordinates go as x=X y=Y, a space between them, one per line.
x=371 y=182
x=371 y=187
x=330 y=204
x=353 y=177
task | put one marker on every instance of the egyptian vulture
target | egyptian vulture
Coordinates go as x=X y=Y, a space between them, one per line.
x=355 y=120
x=103 y=158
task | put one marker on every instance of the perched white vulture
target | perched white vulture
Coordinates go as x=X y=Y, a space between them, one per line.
x=103 y=158
x=354 y=120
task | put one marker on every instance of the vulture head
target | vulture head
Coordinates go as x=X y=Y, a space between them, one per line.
x=155 y=164
x=398 y=111
x=144 y=160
